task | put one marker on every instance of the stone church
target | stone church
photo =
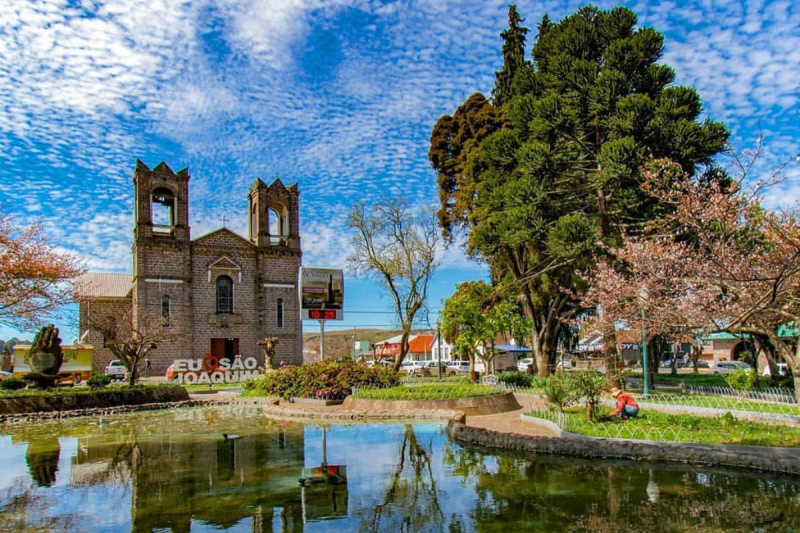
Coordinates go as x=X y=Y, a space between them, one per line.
x=219 y=293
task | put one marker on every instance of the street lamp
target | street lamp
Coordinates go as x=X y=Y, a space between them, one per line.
x=643 y=296
x=439 y=347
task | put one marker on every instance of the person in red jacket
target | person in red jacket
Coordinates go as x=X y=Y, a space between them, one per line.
x=626 y=405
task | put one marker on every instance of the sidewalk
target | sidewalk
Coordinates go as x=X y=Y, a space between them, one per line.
x=509 y=423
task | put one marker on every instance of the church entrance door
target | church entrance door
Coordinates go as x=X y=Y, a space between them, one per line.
x=224 y=348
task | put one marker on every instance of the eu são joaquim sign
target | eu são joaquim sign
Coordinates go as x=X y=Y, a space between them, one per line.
x=321 y=294
x=211 y=369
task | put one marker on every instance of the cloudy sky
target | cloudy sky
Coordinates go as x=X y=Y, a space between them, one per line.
x=338 y=95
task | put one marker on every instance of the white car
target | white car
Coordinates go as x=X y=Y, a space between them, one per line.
x=456 y=367
x=726 y=367
x=522 y=364
x=115 y=370
x=412 y=368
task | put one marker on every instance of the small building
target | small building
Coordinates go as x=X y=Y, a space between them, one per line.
x=447 y=349
x=420 y=348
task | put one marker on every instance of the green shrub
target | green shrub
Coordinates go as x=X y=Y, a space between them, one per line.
x=742 y=381
x=587 y=386
x=13 y=384
x=327 y=379
x=251 y=384
x=98 y=381
x=516 y=379
x=559 y=392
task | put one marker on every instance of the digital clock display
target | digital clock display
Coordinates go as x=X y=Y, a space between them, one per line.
x=322 y=314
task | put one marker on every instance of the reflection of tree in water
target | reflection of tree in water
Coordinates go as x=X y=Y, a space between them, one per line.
x=19 y=503
x=552 y=493
x=42 y=457
x=411 y=502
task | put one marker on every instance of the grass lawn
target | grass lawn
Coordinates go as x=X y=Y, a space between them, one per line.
x=655 y=426
x=728 y=403
x=428 y=391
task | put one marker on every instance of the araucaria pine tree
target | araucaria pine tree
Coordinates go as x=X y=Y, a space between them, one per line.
x=550 y=168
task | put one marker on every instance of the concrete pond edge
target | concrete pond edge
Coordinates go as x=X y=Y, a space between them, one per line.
x=768 y=459
x=471 y=406
x=762 y=458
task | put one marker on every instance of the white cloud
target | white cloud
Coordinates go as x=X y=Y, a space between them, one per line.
x=325 y=245
x=237 y=89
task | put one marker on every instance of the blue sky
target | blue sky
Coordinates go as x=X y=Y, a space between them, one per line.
x=338 y=95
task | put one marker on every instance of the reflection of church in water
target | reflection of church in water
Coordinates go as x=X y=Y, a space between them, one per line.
x=222 y=480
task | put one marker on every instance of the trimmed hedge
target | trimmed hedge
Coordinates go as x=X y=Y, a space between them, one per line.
x=83 y=391
x=13 y=384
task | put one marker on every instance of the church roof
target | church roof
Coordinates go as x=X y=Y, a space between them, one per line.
x=209 y=236
x=97 y=285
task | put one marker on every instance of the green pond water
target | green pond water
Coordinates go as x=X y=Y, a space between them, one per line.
x=234 y=469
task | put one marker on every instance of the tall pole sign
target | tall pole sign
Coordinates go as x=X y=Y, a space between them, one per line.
x=321 y=297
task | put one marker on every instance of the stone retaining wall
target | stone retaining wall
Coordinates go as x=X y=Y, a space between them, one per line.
x=55 y=416
x=477 y=405
x=99 y=400
x=784 y=460
x=277 y=410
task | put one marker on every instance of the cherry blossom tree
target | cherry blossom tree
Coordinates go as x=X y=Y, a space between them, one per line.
x=717 y=260
x=34 y=274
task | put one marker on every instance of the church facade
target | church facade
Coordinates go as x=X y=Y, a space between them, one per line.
x=219 y=293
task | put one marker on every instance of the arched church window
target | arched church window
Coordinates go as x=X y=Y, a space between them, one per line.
x=275 y=226
x=224 y=295
x=280 y=313
x=165 y=310
x=163 y=210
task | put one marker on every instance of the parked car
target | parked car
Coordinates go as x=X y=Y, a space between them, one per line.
x=115 y=370
x=429 y=368
x=700 y=364
x=726 y=367
x=522 y=364
x=412 y=368
x=457 y=367
x=668 y=364
x=5 y=375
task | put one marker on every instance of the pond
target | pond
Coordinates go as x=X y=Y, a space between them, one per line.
x=234 y=469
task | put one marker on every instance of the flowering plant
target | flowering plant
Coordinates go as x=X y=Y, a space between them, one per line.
x=325 y=380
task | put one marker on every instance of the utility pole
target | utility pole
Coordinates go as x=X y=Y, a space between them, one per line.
x=439 y=348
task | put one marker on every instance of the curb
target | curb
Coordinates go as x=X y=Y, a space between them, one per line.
x=768 y=459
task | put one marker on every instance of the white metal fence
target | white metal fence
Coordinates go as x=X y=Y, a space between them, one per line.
x=772 y=394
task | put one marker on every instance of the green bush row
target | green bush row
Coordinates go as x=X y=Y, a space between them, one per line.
x=77 y=391
x=13 y=384
x=522 y=380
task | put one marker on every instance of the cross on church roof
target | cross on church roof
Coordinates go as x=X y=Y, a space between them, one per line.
x=224 y=220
